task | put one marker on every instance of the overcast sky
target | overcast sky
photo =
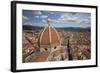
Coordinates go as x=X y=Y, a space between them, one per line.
x=59 y=19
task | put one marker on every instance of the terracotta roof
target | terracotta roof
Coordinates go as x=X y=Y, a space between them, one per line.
x=44 y=37
x=48 y=36
x=41 y=57
x=54 y=36
x=86 y=53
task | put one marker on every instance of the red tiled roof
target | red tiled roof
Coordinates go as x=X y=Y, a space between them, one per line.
x=49 y=36
x=41 y=57
x=45 y=37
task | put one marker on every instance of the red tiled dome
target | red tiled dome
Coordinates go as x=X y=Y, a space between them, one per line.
x=49 y=36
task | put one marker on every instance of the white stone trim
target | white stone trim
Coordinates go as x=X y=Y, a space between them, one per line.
x=42 y=33
x=56 y=33
x=50 y=34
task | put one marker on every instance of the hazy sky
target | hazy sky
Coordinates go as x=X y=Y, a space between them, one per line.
x=59 y=19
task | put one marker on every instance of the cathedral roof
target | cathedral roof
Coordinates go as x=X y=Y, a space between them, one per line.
x=49 y=35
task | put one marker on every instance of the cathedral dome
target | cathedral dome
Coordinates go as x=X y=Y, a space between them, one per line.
x=49 y=36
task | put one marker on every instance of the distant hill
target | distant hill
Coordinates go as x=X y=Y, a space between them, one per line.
x=30 y=27
x=75 y=29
